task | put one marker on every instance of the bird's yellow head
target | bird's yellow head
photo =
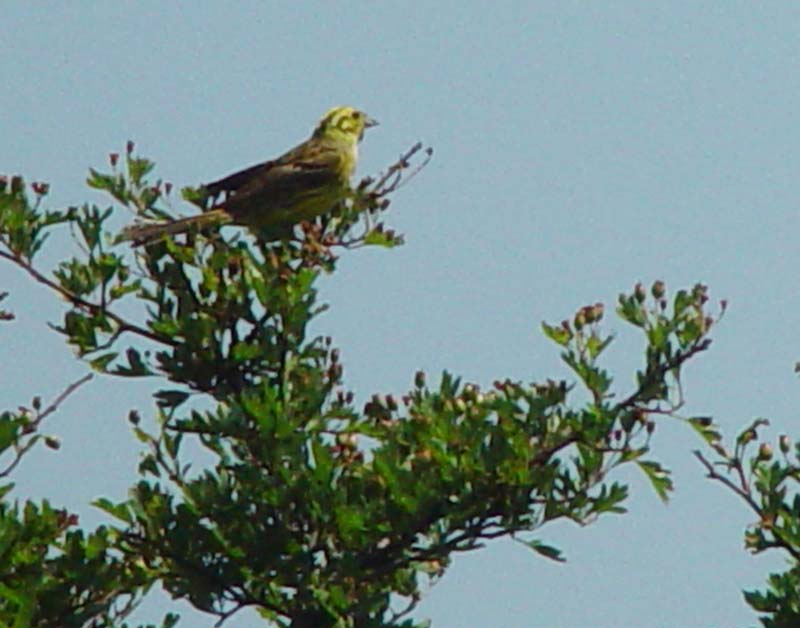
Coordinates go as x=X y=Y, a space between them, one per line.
x=345 y=123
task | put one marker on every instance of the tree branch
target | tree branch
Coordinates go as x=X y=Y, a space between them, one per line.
x=88 y=306
x=659 y=374
x=20 y=451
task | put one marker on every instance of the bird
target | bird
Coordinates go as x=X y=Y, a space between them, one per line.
x=271 y=197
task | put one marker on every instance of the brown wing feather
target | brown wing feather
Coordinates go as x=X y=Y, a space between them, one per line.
x=234 y=181
x=275 y=184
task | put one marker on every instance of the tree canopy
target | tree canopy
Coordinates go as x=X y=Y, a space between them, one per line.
x=318 y=509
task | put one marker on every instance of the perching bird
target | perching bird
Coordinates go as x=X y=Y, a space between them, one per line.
x=306 y=182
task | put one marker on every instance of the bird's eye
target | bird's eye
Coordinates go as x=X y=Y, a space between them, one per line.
x=356 y=115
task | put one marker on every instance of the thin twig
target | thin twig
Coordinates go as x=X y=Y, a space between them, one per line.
x=77 y=301
x=396 y=169
x=779 y=541
x=369 y=196
x=60 y=399
x=397 y=166
x=668 y=366
x=544 y=455
x=413 y=603
x=413 y=173
x=715 y=475
x=32 y=427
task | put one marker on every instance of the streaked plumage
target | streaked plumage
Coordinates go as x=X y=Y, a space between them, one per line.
x=306 y=182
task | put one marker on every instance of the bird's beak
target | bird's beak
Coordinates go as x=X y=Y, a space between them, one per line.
x=368 y=122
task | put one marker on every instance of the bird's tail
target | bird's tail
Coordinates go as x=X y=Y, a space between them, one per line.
x=147 y=232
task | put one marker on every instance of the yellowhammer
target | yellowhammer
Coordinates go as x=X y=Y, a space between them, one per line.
x=302 y=184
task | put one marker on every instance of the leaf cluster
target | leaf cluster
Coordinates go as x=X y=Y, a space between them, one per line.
x=769 y=483
x=315 y=509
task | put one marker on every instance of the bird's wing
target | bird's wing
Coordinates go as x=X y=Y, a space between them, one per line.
x=277 y=183
x=233 y=182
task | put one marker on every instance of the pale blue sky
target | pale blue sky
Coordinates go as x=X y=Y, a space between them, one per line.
x=580 y=147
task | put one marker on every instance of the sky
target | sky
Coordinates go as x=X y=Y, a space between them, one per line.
x=579 y=148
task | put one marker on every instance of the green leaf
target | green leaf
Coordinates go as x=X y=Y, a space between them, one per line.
x=595 y=345
x=101 y=363
x=631 y=310
x=171 y=398
x=683 y=300
x=136 y=366
x=350 y=522
x=243 y=351
x=558 y=334
x=658 y=335
x=706 y=428
x=96 y=544
x=138 y=169
x=610 y=498
x=118 y=511
x=149 y=465
x=9 y=430
x=658 y=476
x=196 y=196
x=382 y=238
x=548 y=551
x=101 y=181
